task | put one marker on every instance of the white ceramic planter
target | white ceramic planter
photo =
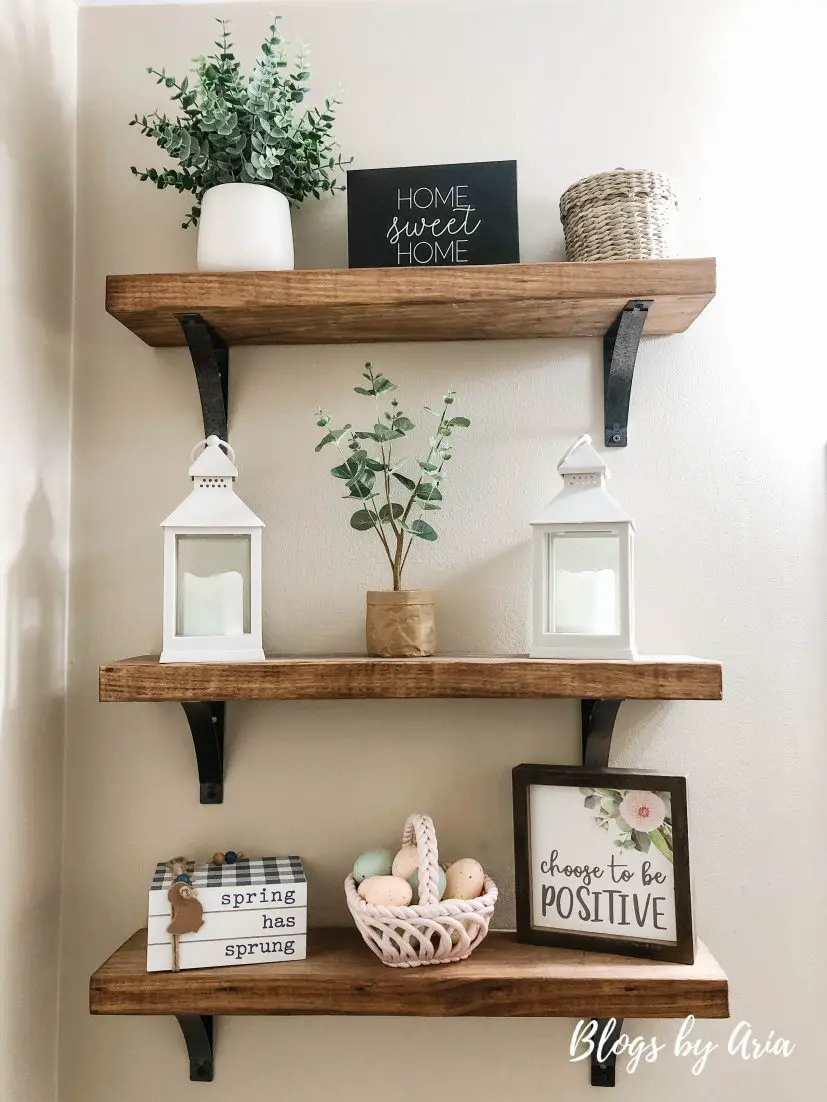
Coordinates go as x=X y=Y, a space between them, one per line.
x=244 y=228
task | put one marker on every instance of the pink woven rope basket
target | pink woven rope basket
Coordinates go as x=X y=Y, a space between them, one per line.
x=431 y=932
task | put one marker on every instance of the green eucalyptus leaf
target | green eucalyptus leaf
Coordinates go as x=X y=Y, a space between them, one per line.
x=429 y=468
x=429 y=506
x=403 y=424
x=384 y=433
x=408 y=483
x=359 y=489
x=394 y=509
x=348 y=469
x=426 y=491
x=462 y=422
x=420 y=528
x=365 y=391
x=592 y=802
x=374 y=465
x=363 y=478
x=642 y=840
x=383 y=385
x=363 y=520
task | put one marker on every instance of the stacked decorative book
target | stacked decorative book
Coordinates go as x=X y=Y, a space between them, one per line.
x=253 y=911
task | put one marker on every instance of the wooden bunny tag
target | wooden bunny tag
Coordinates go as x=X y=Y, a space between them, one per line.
x=187 y=912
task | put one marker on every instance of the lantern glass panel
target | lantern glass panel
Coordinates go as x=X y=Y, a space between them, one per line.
x=213 y=585
x=584 y=584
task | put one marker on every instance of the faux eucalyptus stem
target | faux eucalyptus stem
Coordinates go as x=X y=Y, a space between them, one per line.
x=397 y=523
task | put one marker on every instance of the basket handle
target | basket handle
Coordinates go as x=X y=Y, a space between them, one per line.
x=419 y=831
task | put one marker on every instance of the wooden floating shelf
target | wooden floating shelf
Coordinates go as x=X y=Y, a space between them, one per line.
x=502 y=979
x=344 y=678
x=485 y=302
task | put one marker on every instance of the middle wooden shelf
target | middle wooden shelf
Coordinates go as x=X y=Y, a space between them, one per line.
x=204 y=688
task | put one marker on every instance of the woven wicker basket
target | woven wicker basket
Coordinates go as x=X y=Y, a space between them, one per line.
x=430 y=932
x=620 y=215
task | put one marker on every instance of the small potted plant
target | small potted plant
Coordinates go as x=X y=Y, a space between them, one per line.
x=246 y=149
x=394 y=496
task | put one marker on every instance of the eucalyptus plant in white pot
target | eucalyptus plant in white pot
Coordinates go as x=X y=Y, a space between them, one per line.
x=246 y=149
x=394 y=495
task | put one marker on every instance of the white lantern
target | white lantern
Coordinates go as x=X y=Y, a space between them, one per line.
x=583 y=586
x=212 y=567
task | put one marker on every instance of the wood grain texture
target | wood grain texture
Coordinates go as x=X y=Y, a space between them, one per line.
x=484 y=302
x=501 y=979
x=343 y=678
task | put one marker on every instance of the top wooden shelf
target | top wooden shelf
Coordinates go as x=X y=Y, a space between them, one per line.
x=485 y=302
x=355 y=678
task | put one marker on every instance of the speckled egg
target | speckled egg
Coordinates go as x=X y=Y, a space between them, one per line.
x=386 y=891
x=376 y=862
x=413 y=880
x=406 y=860
x=464 y=879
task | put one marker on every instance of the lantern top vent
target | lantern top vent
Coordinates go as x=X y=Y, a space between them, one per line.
x=584 y=498
x=215 y=461
x=582 y=458
x=213 y=503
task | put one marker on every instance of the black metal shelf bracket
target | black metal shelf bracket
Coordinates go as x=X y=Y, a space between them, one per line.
x=211 y=360
x=597 y=718
x=206 y=719
x=198 y=1037
x=620 y=345
x=604 y=1059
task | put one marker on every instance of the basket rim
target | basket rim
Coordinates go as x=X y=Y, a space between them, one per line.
x=639 y=184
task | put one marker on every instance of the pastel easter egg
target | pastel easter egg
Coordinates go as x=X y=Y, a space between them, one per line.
x=470 y=927
x=406 y=860
x=464 y=879
x=376 y=862
x=386 y=891
x=413 y=880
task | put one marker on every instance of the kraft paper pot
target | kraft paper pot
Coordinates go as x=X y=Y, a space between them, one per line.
x=400 y=624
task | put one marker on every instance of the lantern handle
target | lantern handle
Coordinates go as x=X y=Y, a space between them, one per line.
x=210 y=440
x=584 y=439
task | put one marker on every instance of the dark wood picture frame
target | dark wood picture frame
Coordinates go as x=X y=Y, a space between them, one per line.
x=682 y=950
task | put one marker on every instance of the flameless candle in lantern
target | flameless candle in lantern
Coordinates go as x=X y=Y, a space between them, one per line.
x=212 y=567
x=583 y=585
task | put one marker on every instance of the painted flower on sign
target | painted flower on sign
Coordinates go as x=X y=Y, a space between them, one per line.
x=642 y=810
x=642 y=819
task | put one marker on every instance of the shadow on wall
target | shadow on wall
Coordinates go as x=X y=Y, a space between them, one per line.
x=36 y=226
x=31 y=807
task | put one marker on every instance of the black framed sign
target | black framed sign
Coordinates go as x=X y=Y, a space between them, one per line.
x=433 y=215
x=602 y=861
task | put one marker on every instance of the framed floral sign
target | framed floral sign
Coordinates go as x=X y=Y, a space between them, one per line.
x=602 y=861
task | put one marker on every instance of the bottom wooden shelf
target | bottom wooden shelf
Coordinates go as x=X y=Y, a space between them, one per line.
x=503 y=978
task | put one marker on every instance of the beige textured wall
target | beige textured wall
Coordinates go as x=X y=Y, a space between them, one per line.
x=724 y=472
x=37 y=128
